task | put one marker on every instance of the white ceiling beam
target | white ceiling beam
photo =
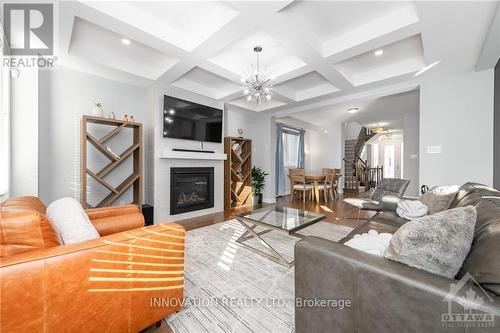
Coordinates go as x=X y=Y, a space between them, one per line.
x=294 y=40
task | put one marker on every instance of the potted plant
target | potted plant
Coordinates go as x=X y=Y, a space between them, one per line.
x=258 y=182
x=97 y=111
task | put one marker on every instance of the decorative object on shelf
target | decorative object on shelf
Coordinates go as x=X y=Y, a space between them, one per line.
x=132 y=119
x=258 y=183
x=97 y=111
x=113 y=153
x=135 y=150
x=237 y=172
x=125 y=118
x=111 y=115
x=240 y=132
x=258 y=84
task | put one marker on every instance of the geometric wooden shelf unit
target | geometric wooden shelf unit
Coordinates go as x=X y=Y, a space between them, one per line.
x=237 y=172
x=135 y=150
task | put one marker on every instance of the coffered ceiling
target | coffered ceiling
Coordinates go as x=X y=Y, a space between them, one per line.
x=317 y=51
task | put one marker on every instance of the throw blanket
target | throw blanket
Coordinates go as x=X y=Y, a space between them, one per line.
x=411 y=209
x=371 y=242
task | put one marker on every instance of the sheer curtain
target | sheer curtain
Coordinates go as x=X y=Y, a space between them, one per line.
x=300 y=151
x=289 y=154
x=4 y=126
x=280 y=164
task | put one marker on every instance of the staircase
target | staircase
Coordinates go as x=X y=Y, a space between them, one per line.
x=356 y=171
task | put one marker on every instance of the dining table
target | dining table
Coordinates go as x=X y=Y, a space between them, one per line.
x=316 y=178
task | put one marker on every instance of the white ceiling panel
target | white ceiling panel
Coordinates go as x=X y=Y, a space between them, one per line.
x=102 y=46
x=331 y=19
x=185 y=24
x=238 y=57
x=206 y=83
x=402 y=57
x=306 y=86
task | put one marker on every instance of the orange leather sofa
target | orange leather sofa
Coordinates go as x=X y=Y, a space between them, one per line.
x=125 y=281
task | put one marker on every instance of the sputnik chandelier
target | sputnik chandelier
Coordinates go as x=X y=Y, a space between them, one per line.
x=258 y=84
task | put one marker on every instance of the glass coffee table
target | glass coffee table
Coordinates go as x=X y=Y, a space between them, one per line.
x=282 y=219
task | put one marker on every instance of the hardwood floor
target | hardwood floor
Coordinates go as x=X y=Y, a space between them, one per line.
x=336 y=211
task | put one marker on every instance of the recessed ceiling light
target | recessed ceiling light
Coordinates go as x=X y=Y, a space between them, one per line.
x=379 y=52
x=427 y=68
x=125 y=41
x=353 y=110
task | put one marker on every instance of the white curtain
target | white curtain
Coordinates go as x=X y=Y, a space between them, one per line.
x=4 y=128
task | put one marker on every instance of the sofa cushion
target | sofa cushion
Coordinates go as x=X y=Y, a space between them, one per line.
x=70 y=221
x=472 y=189
x=482 y=262
x=439 y=198
x=437 y=243
x=24 y=226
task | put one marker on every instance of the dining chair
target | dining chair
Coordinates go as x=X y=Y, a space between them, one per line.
x=326 y=171
x=336 y=179
x=327 y=186
x=298 y=183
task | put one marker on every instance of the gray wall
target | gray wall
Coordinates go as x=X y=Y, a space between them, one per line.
x=66 y=95
x=410 y=152
x=456 y=113
x=496 y=145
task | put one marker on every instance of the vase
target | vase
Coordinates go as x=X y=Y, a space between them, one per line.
x=97 y=111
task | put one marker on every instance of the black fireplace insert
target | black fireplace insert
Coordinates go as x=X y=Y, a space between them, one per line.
x=191 y=189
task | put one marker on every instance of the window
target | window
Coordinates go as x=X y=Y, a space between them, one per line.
x=4 y=126
x=389 y=161
x=290 y=149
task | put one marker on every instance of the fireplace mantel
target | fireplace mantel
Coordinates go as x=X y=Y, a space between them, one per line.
x=183 y=155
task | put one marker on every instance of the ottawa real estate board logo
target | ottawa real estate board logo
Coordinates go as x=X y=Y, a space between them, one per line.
x=469 y=305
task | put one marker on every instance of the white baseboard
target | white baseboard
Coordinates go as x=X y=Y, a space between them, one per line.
x=269 y=200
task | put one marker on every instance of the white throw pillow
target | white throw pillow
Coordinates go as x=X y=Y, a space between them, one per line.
x=371 y=242
x=70 y=221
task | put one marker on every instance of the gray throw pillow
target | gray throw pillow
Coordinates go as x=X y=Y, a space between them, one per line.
x=439 y=198
x=435 y=243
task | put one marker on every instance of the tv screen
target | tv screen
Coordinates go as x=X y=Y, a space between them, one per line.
x=191 y=121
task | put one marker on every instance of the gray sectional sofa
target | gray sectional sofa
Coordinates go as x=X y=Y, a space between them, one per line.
x=340 y=289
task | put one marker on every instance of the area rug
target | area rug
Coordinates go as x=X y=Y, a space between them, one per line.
x=228 y=288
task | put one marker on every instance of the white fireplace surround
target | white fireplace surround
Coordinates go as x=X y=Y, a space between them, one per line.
x=187 y=155
x=165 y=157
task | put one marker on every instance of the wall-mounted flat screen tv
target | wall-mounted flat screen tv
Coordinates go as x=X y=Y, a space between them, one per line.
x=191 y=121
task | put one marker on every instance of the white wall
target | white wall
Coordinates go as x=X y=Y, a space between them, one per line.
x=24 y=134
x=325 y=147
x=411 y=152
x=456 y=113
x=161 y=184
x=66 y=95
x=259 y=128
